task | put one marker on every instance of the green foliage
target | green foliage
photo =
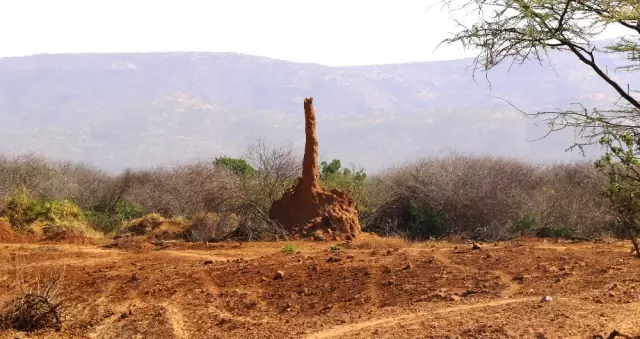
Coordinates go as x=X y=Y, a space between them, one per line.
x=328 y=169
x=22 y=210
x=526 y=223
x=621 y=164
x=107 y=218
x=289 y=248
x=333 y=176
x=519 y=31
x=60 y=212
x=426 y=223
x=557 y=231
x=237 y=166
x=334 y=247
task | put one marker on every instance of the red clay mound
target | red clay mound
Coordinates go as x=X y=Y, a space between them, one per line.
x=306 y=209
x=69 y=237
x=7 y=235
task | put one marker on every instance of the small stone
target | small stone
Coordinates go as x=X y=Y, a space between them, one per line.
x=207 y=262
x=388 y=283
x=546 y=299
x=134 y=277
x=333 y=259
x=407 y=267
x=454 y=298
x=475 y=246
x=519 y=277
x=279 y=275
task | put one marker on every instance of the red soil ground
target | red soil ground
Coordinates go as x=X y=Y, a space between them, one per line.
x=380 y=288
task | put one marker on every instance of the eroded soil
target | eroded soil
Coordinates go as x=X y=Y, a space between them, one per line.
x=431 y=290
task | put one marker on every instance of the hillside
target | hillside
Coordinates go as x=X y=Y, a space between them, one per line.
x=119 y=110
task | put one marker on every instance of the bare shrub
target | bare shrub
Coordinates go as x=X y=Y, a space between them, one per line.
x=50 y=180
x=177 y=190
x=484 y=197
x=211 y=227
x=34 y=308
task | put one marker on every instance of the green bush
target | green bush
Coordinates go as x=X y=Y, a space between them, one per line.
x=20 y=208
x=237 y=166
x=27 y=213
x=107 y=219
x=289 y=248
x=425 y=223
x=525 y=224
x=351 y=181
x=560 y=231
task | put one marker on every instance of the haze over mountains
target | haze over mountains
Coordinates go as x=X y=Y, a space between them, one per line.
x=139 y=110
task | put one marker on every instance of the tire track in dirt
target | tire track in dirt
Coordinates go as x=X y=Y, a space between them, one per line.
x=372 y=286
x=510 y=287
x=406 y=319
x=176 y=320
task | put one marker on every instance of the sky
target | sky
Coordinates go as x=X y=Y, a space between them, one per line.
x=329 y=32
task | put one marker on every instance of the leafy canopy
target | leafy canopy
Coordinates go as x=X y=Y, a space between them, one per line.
x=517 y=31
x=237 y=166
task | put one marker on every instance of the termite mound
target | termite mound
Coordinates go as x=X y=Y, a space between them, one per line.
x=306 y=209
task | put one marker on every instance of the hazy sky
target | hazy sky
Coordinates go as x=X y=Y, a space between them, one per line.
x=331 y=32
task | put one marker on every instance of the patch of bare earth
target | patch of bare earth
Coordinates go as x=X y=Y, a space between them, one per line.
x=369 y=290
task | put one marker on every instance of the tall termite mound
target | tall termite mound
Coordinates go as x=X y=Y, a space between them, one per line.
x=306 y=209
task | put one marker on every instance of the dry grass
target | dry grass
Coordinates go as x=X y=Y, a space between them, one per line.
x=370 y=241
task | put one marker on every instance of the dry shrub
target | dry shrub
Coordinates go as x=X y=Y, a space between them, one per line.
x=485 y=198
x=154 y=225
x=52 y=180
x=194 y=190
x=211 y=227
x=36 y=307
x=374 y=242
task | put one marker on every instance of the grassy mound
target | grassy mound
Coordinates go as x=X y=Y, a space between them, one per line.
x=155 y=226
x=52 y=219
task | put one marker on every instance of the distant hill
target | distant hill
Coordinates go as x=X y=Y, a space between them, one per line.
x=139 y=110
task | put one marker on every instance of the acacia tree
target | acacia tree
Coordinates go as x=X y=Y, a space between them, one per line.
x=516 y=31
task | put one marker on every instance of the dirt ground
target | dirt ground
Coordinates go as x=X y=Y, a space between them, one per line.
x=374 y=288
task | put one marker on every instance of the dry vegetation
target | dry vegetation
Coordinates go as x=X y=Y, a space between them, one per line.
x=480 y=198
x=167 y=267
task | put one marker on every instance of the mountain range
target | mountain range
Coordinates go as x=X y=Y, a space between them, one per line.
x=145 y=109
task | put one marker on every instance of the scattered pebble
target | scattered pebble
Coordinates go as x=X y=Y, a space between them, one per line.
x=546 y=299
x=279 y=275
x=333 y=259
